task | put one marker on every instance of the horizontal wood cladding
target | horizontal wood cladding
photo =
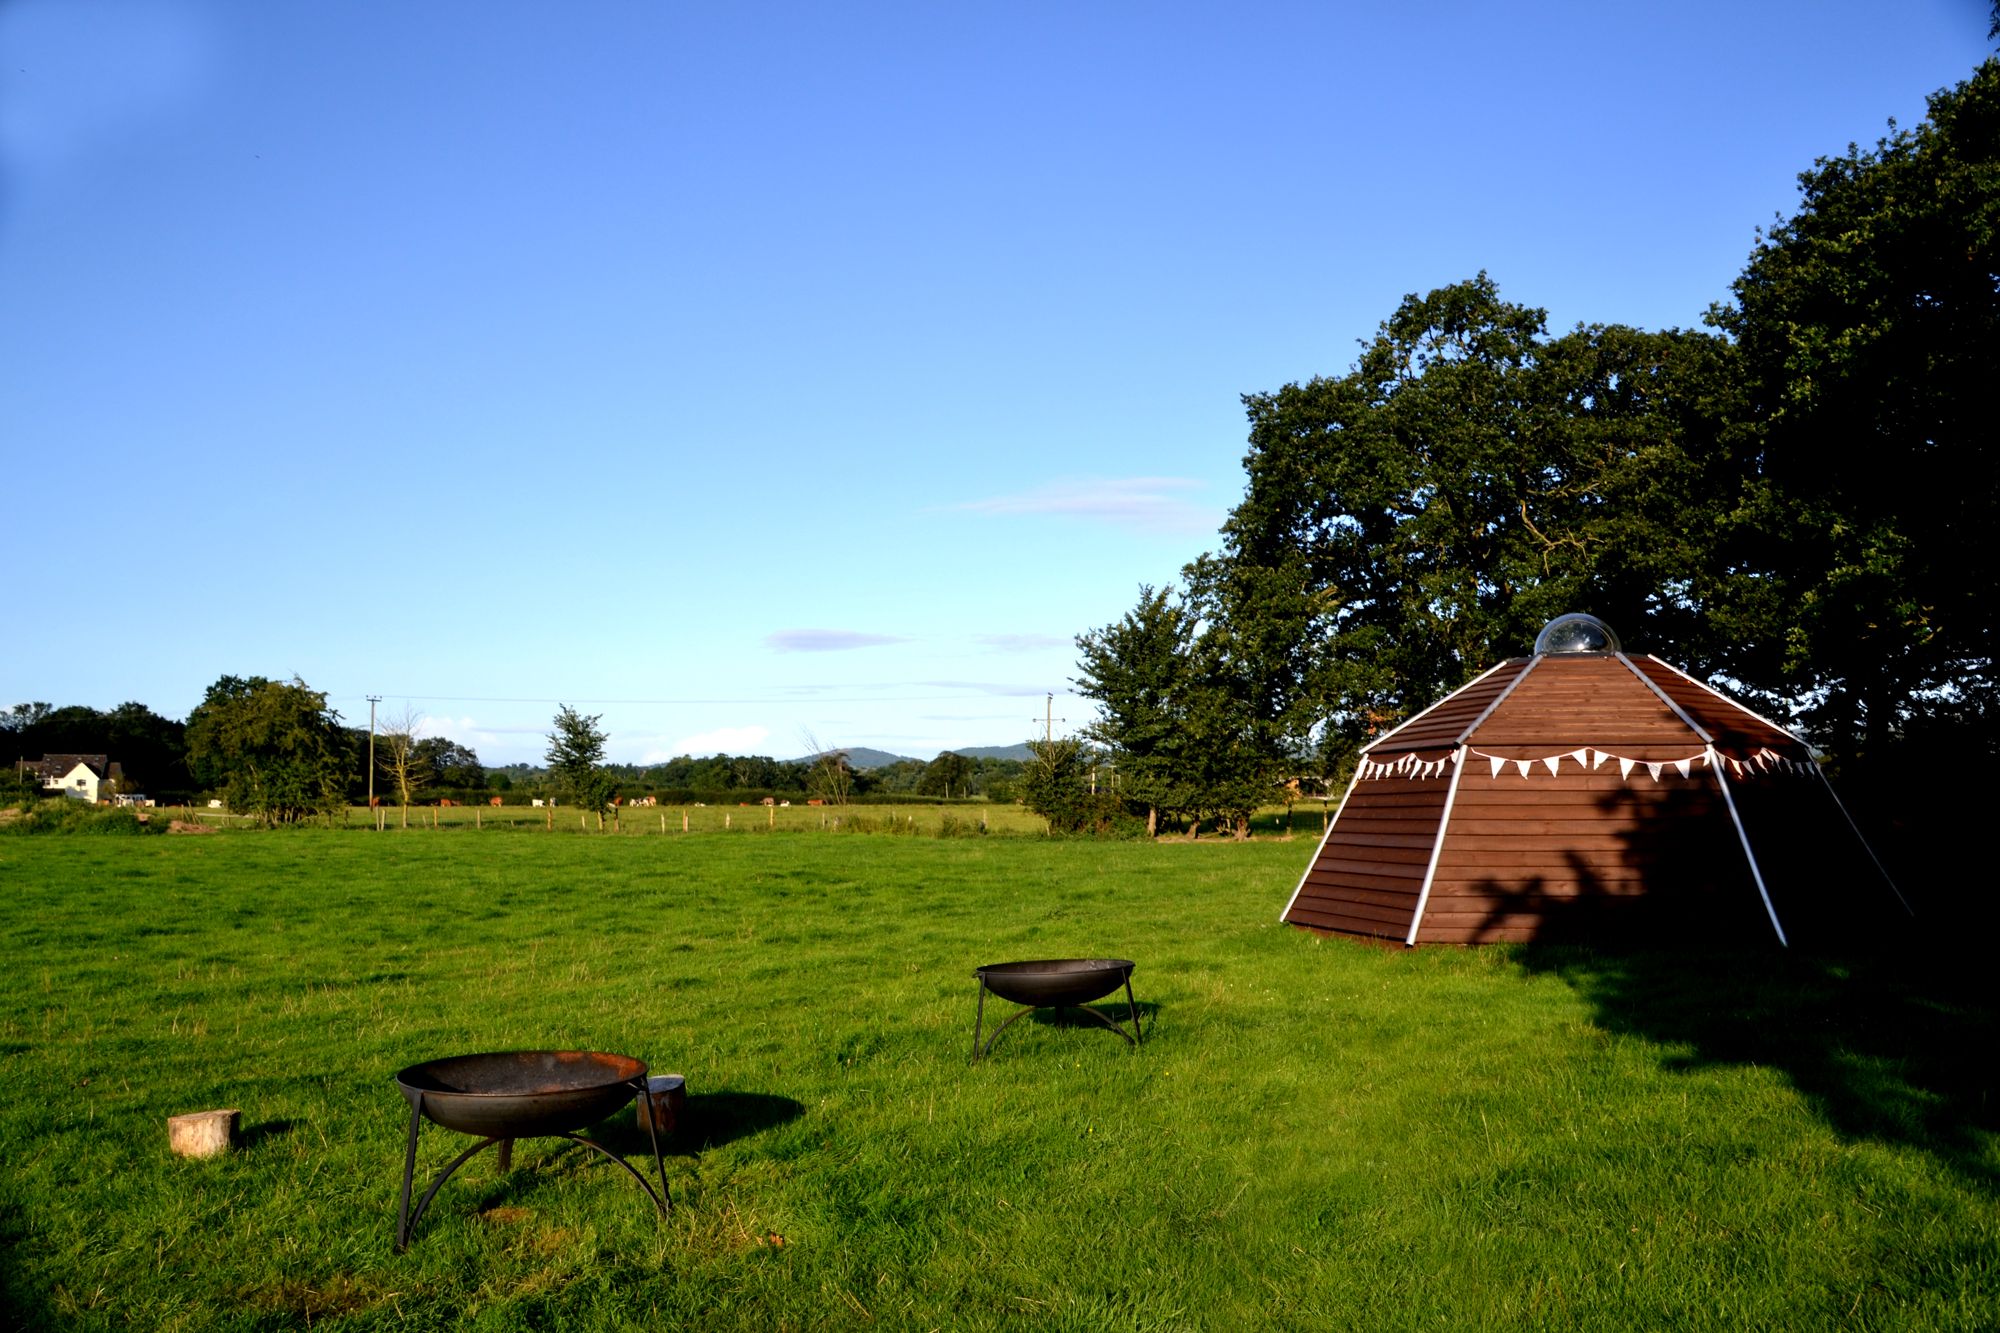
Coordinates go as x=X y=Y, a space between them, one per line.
x=1583 y=701
x=1447 y=720
x=1734 y=727
x=1348 y=924
x=1367 y=874
x=1587 y=853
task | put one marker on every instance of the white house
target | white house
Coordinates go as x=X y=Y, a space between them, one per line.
x=79 y=776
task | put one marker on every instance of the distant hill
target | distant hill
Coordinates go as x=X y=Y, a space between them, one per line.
x=862 y=758
x=1015 y=752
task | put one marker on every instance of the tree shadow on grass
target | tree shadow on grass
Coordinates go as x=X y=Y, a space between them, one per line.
x=20 y=1306
x=1889 y=1027
x=1895 y=1046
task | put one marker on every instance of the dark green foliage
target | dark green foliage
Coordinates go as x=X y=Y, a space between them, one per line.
x=66 y=816
x=273 y=748
x=151 y=749
x=576 y=761
x=1055 y=784
x=1869 y=324
x=1177 y=714
x=1412 y=521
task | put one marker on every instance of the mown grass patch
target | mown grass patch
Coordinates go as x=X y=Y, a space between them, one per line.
x=1316 y=1134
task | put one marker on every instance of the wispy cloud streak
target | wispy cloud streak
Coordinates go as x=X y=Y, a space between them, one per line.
x=826 y=640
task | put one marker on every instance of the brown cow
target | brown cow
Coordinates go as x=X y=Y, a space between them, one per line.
x=493 y=800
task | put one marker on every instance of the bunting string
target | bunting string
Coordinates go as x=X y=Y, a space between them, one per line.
x=1765 y=760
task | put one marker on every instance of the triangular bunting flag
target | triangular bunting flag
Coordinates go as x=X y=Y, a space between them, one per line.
x=1523 y=765
x=1582 y=758
x=1624 y=767
x=1457 y=758
x=1684 y=765
x=1654 y=769
x=1497 y=762
x=1554 y=764
x=1597 y=758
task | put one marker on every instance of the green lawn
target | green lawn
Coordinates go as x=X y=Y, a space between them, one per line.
x=1315 y=1135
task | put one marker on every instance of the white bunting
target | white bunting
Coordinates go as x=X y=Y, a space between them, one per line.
x=1554 y=763
x=1597 y=758
x=1684 y=765
x=1582 y=758
x=1654 y=769
x=1524 y=765
x=1497 y=762
x=1457 y=757
x=1625 y=766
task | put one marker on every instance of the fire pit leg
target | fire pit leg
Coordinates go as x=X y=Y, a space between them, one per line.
x=505 y=1156
x=410 y=1224
x=1132 y=1007
x=1017 y=1014
x=659 y=1163
x=1086 y=1009
x=409 y=1170
x=644 y=1184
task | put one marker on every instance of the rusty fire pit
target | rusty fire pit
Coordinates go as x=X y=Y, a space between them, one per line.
x=506 y=1095
x=1056 y=983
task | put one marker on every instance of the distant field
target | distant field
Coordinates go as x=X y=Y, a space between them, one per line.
x=1315 y=1135
x=925 y=819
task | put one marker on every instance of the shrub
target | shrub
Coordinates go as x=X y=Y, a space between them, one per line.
x=64 y=815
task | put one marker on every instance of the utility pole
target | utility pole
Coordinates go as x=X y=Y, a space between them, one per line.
x=1049 y=718
x=373 y=699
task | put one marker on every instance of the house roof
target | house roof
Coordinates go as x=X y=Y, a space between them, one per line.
x=61 y=765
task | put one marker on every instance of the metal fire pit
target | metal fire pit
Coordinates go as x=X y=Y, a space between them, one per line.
x=1056 y=983
x=506 y=1095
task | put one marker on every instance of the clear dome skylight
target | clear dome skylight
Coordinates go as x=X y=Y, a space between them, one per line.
x=1577 y=633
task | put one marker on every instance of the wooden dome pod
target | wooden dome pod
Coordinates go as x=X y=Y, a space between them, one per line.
x=1583 y=794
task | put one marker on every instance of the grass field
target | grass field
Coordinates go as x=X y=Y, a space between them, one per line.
x=1315 y=1135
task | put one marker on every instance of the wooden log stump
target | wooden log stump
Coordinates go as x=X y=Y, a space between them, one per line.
x=661 y=1105
x=203 y=1133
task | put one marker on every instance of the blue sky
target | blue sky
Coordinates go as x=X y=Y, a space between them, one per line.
x=755 y=371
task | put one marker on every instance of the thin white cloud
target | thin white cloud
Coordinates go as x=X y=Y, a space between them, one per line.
x=998 y=688
x=1149 y=504
x=722 y=740
x=826 y=640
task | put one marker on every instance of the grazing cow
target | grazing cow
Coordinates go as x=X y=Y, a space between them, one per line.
x=446 y=800
x=538 y=803
x=493 y=800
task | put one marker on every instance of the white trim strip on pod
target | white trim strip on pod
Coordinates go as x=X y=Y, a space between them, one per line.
x=1437 y=845
x=1331 y=825
x=1704 y=685
x=1722 y=780
x=1498 y=699
x=1666 y=699
x=1439 y=704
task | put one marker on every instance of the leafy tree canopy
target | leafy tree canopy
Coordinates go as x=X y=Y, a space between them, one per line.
x=273 y=747
x=1869 y=325
x=576 y=760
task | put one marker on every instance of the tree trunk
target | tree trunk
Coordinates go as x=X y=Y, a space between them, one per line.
x=1152 y=821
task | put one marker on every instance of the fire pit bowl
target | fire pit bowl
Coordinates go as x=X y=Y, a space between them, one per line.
x=1056 y=983
x=501 y=1096
x=522 y=1094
